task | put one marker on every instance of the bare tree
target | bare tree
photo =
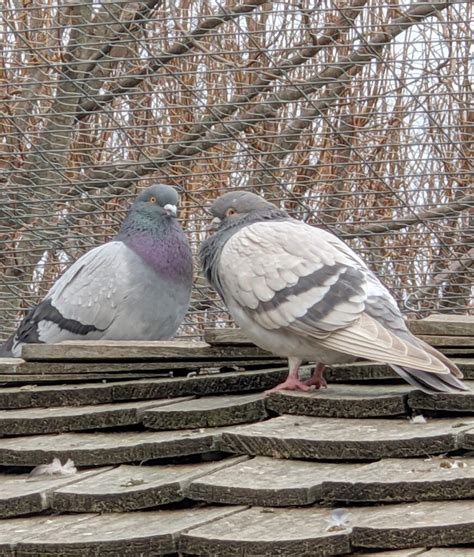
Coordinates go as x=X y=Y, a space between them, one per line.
x=353 y=114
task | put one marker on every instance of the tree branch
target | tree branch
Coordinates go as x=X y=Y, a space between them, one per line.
x=358 y=231
x=332 y=76
x=184 y=45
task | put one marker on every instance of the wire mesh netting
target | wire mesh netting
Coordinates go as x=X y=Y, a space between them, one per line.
x=354 y=115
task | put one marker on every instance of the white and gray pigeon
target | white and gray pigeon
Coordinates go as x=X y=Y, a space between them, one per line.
x=135 y=287
x=301 y=293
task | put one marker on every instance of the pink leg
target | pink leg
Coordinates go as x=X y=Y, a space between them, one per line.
x=292 y=382
x=317 y=379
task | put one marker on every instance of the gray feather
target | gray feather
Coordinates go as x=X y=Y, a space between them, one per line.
x=300 y=292
x=136 y=287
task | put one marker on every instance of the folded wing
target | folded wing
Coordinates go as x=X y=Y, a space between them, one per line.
x=290 y=276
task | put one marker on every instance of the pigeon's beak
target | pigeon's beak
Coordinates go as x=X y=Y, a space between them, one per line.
x=214 y=225
x=170 y=210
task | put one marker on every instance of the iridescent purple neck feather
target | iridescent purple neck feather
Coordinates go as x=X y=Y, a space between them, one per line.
x=161 y=243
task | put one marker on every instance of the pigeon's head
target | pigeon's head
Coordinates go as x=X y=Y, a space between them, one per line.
x=235 y=205
x=158 y=200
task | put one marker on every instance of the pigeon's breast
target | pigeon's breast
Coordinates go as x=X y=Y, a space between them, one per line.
x=169 y=257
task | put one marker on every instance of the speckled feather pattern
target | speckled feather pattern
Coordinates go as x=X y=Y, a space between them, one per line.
x=300 y=292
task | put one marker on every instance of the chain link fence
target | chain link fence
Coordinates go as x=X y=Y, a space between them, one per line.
x=354 y=115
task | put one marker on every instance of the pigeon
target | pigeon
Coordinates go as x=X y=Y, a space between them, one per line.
x=300 y=292
x=135 y=287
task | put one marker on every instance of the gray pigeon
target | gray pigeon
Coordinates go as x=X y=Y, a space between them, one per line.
x=300 y=292
x=135 y=287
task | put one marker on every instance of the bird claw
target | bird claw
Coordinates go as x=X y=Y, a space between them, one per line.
x=316 y=382
x=289 y=385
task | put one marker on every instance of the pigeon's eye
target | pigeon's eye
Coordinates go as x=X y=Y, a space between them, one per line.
x=230 y=212
x=152 y=199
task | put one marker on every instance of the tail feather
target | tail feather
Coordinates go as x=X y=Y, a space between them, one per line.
x=7 y=347
x=451 y=365
x=429 y=382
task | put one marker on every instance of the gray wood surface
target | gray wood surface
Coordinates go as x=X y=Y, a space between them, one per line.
x=448 y=552
x=52 y=378
x=461 y=402
x=128 y=488
x=21 y=495
x=369 y=371
x=314 y=531
x=343 y=401
x=264 y=481
x=135 y=350
x=443 y=324
x=302 y=532
x=37 y=396
x=467 y=437
x=211 y=411
x=343 y=439
x=112 y=534
x=200 y=385
x=34 y=421
x=269 y=482
x=399 y=480
x=413 y=525
x=10 y=367
x=412 y=552
x=457 y=333
x=34 y=396
x=97 y=449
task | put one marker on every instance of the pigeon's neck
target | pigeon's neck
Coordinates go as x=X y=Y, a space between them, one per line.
x=212 y=247
x=163 y=246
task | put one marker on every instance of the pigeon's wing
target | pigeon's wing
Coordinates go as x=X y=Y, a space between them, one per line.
x=84 y=299
x=287 y=275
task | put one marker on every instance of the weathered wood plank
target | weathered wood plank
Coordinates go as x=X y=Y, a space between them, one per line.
x=453 y=552
x=448 y=402
x=210 y=411
x=343 y=401
x=272 y=482
x=98 y=449
x=412 y=552
x=34 y=421
x=467 y=436
x=236 y=337
x=200 y=385
x=83 y=370
x=256 y=531
x=289 y=532
x=32 y=396
x=54 y=378
x=341 y=439
x=369 y=371
x=84 y=535
x=413 y=525
x=440 y=341
x=216 y=337
x=360 y=371
x=136 y=350
x=401 y=480
x=443 y=324
x=130 y=488
x=460 y=352
x=21 y=495
x=267 y=482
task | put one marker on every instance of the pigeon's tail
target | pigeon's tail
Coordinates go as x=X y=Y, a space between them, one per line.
x=433 y=383
x=430 y=383
x=7 y=347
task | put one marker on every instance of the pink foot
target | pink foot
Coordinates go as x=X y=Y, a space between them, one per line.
x=317 y=379
x=317 y=382
x=290 y=384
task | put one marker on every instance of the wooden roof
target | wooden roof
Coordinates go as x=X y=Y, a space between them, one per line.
x=203 y=463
